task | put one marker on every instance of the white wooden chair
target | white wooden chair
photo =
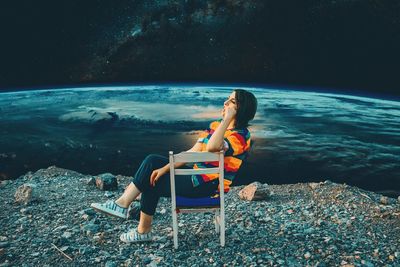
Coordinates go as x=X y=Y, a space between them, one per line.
x=207 y=204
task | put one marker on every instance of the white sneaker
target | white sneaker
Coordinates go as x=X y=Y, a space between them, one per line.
x=133 y=236
x=111 y=208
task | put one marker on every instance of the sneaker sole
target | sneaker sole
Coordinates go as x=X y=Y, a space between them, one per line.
x=136 y=241
x=107 y=212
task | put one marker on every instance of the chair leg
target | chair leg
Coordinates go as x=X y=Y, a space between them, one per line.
x=216 y=221
x=222 y=227
x=175 y=228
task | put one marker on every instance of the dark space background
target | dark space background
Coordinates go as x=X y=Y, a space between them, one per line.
x=342 y=44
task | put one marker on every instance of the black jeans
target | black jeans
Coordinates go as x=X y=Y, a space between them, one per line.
x=183 y=184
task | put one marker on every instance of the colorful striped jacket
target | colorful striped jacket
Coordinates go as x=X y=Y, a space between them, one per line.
x=236 y=147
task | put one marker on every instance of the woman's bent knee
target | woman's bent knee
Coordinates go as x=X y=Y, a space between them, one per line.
x=152 y=157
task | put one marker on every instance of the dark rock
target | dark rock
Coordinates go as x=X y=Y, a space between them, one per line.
x=106 y=182
x=134 y=212
x=88 y=211
x=91 y=228
x=91 y=181
x=146 y=260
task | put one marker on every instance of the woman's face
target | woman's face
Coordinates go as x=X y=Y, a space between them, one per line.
x=230 y=102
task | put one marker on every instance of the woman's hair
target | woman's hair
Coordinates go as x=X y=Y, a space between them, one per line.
x=247 y=107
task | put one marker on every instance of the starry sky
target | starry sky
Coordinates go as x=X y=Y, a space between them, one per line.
x=351 y=45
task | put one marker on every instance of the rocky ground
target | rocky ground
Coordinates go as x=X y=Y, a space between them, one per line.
x=304 y=224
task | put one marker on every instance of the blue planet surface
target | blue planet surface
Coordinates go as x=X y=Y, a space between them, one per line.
x=299 y=136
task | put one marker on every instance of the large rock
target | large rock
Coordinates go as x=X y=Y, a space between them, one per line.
x=255 y=191
x=106 y=182
x=25 y=194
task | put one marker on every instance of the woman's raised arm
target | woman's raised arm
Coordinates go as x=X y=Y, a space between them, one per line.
x=215 y=143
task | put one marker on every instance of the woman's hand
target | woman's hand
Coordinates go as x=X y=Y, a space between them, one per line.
x=156 y=174
x=230 y=113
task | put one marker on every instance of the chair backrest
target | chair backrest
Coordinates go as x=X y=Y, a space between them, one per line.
x=197 y=157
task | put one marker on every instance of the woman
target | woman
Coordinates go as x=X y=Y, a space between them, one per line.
x=152 y=179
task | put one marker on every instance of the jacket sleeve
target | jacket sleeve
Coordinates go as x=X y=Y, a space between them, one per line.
x=236 y=143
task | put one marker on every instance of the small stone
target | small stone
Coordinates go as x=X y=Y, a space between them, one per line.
x=60 y=228
x=280 y=261
x=25 y=211
x=3 y=183
x=384 y=200
x=254 y=191
x=367 y=263
x=96 y=238
x=264 y=219
x=66 y=235
x=3 y=238
x=110 y=264
x=128 y=263
x=85 y=250
x=88 y=211
x=108 y=194
x=309 y=230
x=4 y=244
x=376 y=252
x=64 y=248
x=106 y=181
x=314 y=186
x=25 y=194
x=307 y=255
x=146 y=260
x=91 y=228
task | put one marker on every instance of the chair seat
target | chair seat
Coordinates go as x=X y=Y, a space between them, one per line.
x=197 y=202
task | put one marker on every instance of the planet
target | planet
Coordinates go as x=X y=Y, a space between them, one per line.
x=299 y=136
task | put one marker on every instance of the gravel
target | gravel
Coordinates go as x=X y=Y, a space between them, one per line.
x=303 y=224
